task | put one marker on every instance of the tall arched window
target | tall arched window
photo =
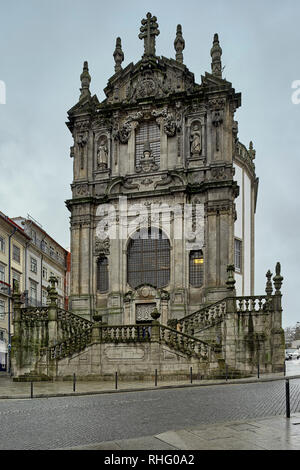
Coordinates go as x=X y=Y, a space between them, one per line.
x=102 y=274
x=148 y=258
x=196 y=268
x=147 y=131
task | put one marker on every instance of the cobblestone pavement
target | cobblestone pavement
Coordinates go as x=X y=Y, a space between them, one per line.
x=66 y=422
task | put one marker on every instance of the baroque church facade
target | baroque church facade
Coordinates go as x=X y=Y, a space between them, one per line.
x=162 y=234
x=160 y=138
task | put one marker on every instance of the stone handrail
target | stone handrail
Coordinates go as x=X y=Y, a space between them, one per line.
x=34 y=313
x=69 y=324
x=75 y=344
x=125 y=333
x=185 y=343
x=203 y=318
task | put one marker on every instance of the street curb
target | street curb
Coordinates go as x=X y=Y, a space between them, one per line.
x=161 y=387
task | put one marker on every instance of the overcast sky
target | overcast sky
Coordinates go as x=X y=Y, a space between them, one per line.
x=43 y=44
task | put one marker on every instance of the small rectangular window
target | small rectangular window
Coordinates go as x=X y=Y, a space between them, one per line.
x=2 y=244
x=44 y=297
x=33 y=294
x=238 y=255
x=102 y=274
x=2 y=310
x=196 y=268
x=16 y=254
x=2 y=272
x=33 y=265
x=44 y=273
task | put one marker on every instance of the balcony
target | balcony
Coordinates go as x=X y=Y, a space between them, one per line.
x=4 y=288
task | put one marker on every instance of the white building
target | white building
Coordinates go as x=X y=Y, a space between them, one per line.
x=44 y=258
x=244 y=228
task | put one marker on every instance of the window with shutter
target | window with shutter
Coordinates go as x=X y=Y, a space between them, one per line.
x=147 y=132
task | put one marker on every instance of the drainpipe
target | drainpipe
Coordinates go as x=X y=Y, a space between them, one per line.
x=9 y=300
x=26 y=274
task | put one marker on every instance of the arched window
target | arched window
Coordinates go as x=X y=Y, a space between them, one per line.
x=147 y=131
x=102 y=274
x=148 y=258
x=196 y=268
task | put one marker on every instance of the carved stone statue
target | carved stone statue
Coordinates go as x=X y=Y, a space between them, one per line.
x=196 y=141
x=102 y=153
x=147 y=161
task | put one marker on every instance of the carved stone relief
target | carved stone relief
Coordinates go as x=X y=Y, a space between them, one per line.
x=143 y=311
x=82 y=189
x=102 y=247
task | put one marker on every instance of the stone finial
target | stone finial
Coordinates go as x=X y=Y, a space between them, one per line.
x=52 y=292
x=179 y=44
x=216 y=53
x=155 y=314
x=85 y=79
x=149 y=30
x=269 y=287
x=251 y=151
x=118 y=55
x=230 y=279
x=277 y=279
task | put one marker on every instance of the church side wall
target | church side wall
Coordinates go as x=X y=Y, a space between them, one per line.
x=244 y=231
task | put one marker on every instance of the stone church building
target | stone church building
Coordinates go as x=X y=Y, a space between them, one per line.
x=162 y=234
x=160 y=138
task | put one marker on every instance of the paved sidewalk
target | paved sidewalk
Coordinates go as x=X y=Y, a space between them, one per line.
x=20 y=390
x=274 y=433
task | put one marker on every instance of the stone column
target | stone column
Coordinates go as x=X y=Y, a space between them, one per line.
x=155 y=326
x=277 y=332
x=155 y=342
x=52 y=311
x=96 y=330
x=229 y=323
x=18 y=332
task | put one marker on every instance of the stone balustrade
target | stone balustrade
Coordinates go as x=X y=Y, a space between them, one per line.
x=189 y=345
x=254 y=304
x=203 y=318
x=125 y=333
x=70 y=324
x=70 y=346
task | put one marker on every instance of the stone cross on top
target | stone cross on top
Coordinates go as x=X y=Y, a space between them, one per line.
x=148 y=32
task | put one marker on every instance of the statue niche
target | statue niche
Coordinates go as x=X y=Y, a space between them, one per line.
x=102 y=153
x=196 y=140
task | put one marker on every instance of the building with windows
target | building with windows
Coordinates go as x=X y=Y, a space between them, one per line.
x=159 y=139
x=44 y=258
x=13 y=246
